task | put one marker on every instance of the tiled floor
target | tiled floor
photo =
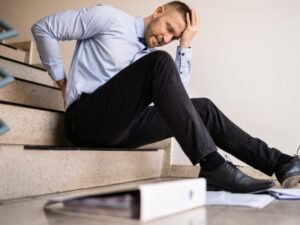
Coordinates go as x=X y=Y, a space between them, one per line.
x=30 y=212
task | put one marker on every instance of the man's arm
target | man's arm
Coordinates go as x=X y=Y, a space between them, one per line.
x=183 y=63
x=68 y=25
x=183 y=59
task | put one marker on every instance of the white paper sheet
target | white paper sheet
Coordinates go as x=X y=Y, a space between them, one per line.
x=285 y=194
x=233 y=199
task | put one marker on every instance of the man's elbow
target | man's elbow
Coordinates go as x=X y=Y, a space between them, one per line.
x=37 y=29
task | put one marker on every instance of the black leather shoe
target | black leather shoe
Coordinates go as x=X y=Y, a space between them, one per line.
x=288 y=174
x=229 y=178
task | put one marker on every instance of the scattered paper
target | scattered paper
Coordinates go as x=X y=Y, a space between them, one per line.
x=233 y=199
x=285 y=194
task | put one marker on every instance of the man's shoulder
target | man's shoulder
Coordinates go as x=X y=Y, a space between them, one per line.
x=113 y=10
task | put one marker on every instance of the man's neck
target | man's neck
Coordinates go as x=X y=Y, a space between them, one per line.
x=147 y=21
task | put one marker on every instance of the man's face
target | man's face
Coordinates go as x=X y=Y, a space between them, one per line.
x=166 y=27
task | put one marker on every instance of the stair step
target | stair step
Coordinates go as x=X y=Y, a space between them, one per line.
x=26 y=172
x=12 y=52
x=26 y=72
x=31 y=126
x=23 y=45
x=39 y=65
x=26 y=46
x=32 y=94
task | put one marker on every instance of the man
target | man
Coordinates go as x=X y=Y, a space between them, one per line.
x=115 y=74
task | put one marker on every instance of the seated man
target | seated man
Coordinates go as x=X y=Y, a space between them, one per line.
x=115 y=74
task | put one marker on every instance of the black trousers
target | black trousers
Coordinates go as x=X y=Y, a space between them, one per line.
x=118 y=114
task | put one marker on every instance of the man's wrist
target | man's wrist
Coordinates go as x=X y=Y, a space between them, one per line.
x=61 y=83
x=184 y=45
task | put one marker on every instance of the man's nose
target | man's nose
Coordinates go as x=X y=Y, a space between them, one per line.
x=168 y=38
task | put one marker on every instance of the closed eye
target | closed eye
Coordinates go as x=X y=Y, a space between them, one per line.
x=170 y=29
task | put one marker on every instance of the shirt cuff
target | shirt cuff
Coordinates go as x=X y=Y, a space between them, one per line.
x=184 y=54
x=57 y=73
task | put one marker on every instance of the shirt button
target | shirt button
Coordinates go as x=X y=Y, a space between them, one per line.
x=179 y=53
x=182 y=54
x=180 y=72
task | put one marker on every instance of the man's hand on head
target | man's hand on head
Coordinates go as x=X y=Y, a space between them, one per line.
x=190 y=30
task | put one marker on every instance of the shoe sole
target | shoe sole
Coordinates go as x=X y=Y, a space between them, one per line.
x=213 y=188
x=291 y=181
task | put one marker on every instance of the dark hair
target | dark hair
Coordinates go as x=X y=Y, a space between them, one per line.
x=181 y=7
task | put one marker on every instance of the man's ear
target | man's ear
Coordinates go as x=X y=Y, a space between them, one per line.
x=159 y=12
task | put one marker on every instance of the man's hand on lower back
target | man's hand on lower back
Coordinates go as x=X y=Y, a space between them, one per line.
x=190 y=31
x=62 y=86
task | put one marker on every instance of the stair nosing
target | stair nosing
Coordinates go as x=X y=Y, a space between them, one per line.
x=24 y=64
x=74 y=148
x=30 y=107
x=35 y=83
x=10 y=46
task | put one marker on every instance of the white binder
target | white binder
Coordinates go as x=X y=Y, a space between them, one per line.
x=155 y=200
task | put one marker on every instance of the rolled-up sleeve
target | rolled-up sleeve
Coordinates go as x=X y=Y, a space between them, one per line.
x=68 y=25
x=183 y=62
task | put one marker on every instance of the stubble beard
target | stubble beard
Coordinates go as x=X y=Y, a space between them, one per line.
x=149 y=32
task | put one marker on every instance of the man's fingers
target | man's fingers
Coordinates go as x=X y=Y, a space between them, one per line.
x=193 y=18
x=196 y=19
x=188 y=20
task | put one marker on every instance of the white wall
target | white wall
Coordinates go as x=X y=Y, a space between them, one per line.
x=245 y=58
x=248 y=54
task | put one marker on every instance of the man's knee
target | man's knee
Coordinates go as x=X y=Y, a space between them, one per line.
x=207 y=101
x=163 y=56
x=163 y=65
x=202 y=103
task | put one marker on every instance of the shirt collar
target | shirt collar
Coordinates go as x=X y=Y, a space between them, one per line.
x=140 y=28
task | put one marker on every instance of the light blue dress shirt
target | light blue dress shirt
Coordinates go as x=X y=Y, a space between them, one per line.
x=108 y=40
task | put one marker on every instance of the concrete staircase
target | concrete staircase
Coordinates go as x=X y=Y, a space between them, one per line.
x=13 y=52
x=35 y=156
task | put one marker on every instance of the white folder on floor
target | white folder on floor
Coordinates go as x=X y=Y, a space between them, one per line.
x=149 y=201
x=161 y=199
